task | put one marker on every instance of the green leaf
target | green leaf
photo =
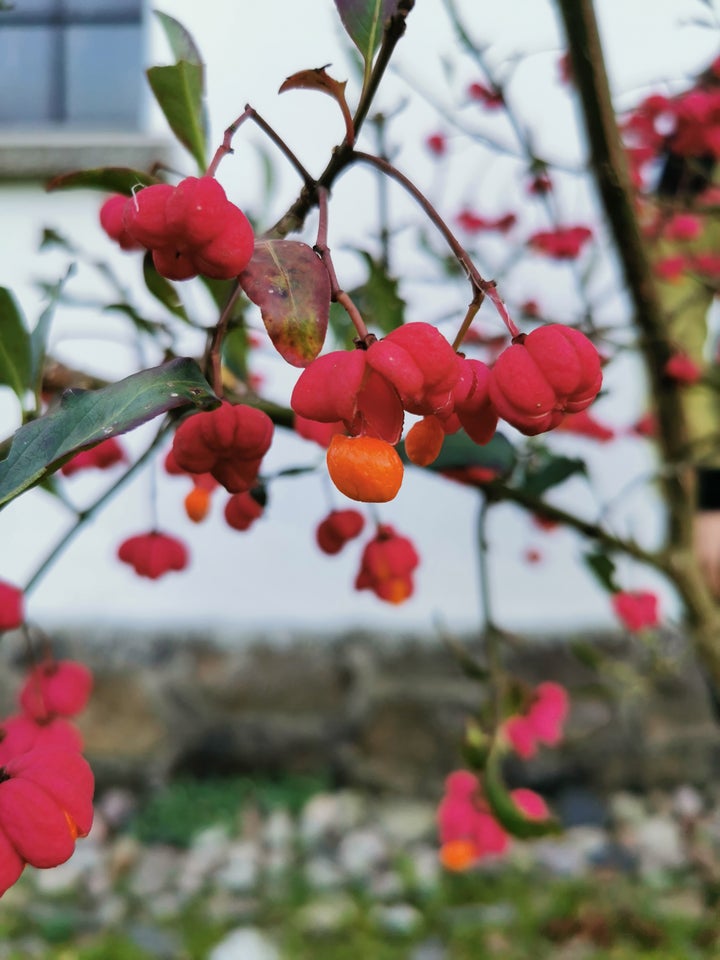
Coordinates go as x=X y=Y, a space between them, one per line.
x=547 y=470
x=41 y=331
x=460 y=451
x=377 y=299
x=221 y=291
x=84 y=418
x=52 y=238
x=181 y=41
x=364 y=21
x=162 y=289
x=603 y=569
x=504 y=808
x=235 y=351
x=15 y=355
x=290 y=284
x=111 y=179
x=179 y=92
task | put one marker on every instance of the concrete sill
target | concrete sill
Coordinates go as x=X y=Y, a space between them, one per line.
x=41 y=154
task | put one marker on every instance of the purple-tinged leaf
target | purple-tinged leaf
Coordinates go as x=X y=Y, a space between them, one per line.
x=84 y=418
x=364 y=21
x=181 y=41
x=288 y=281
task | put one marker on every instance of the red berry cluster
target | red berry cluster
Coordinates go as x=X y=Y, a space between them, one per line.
x=388 y=560
x=101 y=457
x=637 y=609
x=228 y=443
x=542 y=376
x=337 y=529
x=563 y=243
x=12 y=606
x=191 y=228
x=243 y=509
x=387 y=565
x=468 y=830
x=540 y=722
x=46 y=786
x=533 y=384
x=153 y=554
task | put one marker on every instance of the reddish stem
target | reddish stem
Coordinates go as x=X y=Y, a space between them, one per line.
x=213 y=359
x=321 y=248
x=249 y=113
x=480 y=286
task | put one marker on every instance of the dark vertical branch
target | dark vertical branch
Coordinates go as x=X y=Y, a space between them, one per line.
x=613 y=182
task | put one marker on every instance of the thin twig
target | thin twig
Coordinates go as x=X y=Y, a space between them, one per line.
x=86 y=515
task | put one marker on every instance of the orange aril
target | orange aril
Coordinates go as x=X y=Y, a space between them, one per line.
x=364 y=468
x=197 y=504
x=458 y=854
x=424 y=441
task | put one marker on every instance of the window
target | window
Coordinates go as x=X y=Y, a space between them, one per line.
x=75 y=64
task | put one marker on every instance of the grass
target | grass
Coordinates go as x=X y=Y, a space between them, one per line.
x=174 y=814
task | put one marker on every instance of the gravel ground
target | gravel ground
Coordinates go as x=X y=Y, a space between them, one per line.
x=337 y=859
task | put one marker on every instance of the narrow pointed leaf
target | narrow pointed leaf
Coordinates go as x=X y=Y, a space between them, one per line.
x=110 y=179
x=603 y=569
x=378 y=299
x=162 y=289
x=84 y=418
x=181 y=41
x=364 y=21
x=289 y=283
x=179 y=90
x=319 y=79
x=460 y=451
x=15 y=356
x=504 y=808
x=235 y=349
x=550 y=471
x=41 y=331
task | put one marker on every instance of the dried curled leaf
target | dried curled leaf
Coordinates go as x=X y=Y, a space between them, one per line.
x=319 y=79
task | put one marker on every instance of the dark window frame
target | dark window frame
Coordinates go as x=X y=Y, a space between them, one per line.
x=59 y=20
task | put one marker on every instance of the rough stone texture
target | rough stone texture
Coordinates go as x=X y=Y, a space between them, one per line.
x=379 y=712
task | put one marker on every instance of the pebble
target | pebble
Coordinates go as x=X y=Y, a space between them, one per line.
x=156 y=870
x=398 y=918
x=327 y=915
x=406 y=821
x=362 y=851
x=245 y=943
x=429 y=950
x=627 y=809
x=659 y=844
x=242 y=869
x=278 y=831
x=322 y=873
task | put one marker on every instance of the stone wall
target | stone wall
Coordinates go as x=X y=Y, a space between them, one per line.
x=374 y=711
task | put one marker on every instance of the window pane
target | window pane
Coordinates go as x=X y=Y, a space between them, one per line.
x=29 y=9
x=117 y=8
x=104 y=76
x=25 y=90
